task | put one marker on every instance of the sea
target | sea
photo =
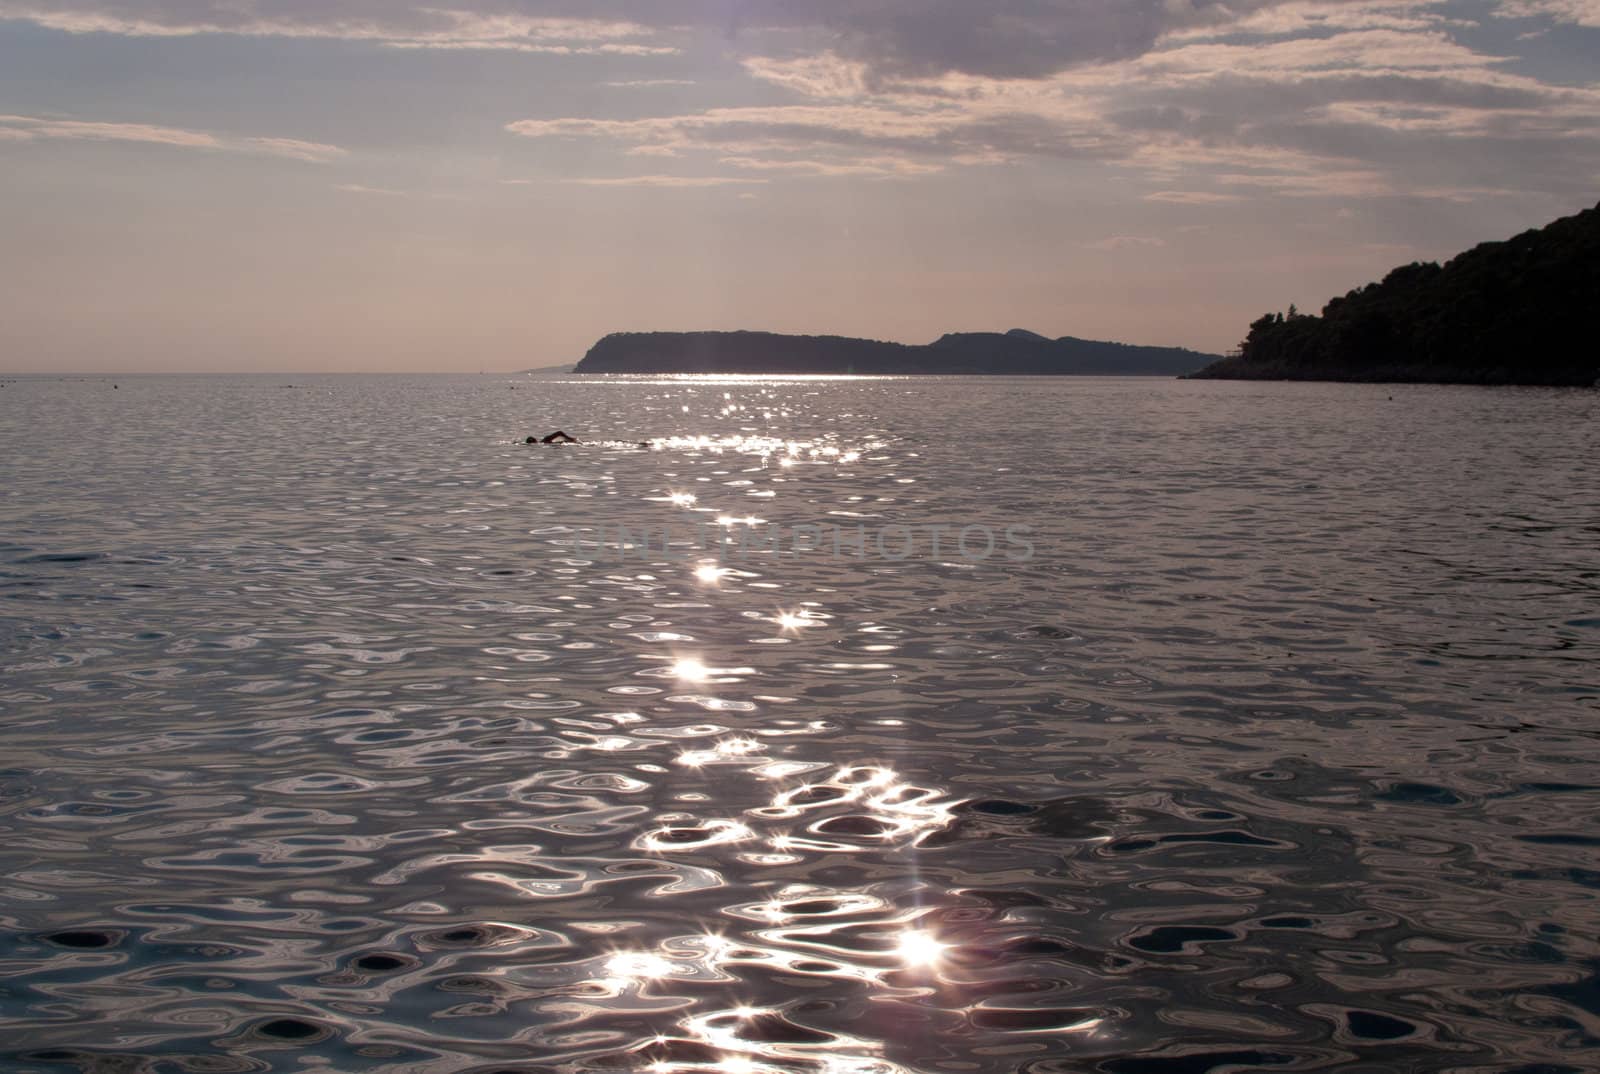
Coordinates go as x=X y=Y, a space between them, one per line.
x=797 y=726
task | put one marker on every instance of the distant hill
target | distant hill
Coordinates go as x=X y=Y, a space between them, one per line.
x=565 y=367
x=1014 y=352
x=1513 y=312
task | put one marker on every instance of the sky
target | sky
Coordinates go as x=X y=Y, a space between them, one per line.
x=465 y=185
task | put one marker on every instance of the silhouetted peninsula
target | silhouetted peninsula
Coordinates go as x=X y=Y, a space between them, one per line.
x=1513 y=312
x=1014 y=352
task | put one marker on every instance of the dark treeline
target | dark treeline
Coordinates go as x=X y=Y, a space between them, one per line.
x=1513 y=312
x=1014 y=352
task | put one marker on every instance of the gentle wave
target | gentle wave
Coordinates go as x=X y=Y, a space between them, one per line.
x=326 y=745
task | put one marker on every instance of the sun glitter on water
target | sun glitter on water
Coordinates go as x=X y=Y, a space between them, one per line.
x=920 y=949
x=691 y=670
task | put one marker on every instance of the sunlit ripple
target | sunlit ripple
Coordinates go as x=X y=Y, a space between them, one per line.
x=691 y=835
x=857 y=807
x=920 y=949
x=337 y=752
x=742 y=1036
x=690 y=670
x=693 y=669
x=793 y=620
x=751 y=1040
x=813 y=931
x=637 y=966
x=738 y=750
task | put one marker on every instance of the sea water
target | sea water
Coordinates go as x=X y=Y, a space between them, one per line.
x=1228 y=727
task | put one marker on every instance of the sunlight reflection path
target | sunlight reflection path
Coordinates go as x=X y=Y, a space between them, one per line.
x=815 y=810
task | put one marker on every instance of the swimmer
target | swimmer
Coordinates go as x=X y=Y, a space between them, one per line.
x=558 y=438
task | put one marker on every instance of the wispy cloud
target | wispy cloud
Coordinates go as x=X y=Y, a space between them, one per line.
x=650 y=83
x=400 y=24
x=1300 y=17
x=870 y=167
x=1126 y=242
x=514 y=45
x=1311 y=98
x=315 y=152
x=905 y=136
x=357 y=188
x=1192 y=197
x=892 y=38
x=1202 y=101
x=386 y=193
x=1575 y=12
x=31 y=128
x=1331 y=183
x=666 y=181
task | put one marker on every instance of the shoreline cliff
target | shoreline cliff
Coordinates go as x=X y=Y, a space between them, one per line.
x=1010 y=353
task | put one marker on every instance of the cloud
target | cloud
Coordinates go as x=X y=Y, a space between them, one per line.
x=1395 y=104
x=650 y=83
x=1576 y=12
x=666 y=181
x=315 y=152
x=996 y=38
x=513 y=45
x=754 y=127
x=1206 y=100
x=1332 y=183
x=357 y=188
x=36 y=128
x=32 y=127
x=1300 y=17
x=907 y=136
x=825 y=75
x=871 y=167
x=884 y=40
x=384 y=192
x=480 y=25
x=1126 y=242
x=892 y=38
x=1191 y=197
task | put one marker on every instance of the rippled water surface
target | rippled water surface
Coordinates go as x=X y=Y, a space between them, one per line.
x=329 y=743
